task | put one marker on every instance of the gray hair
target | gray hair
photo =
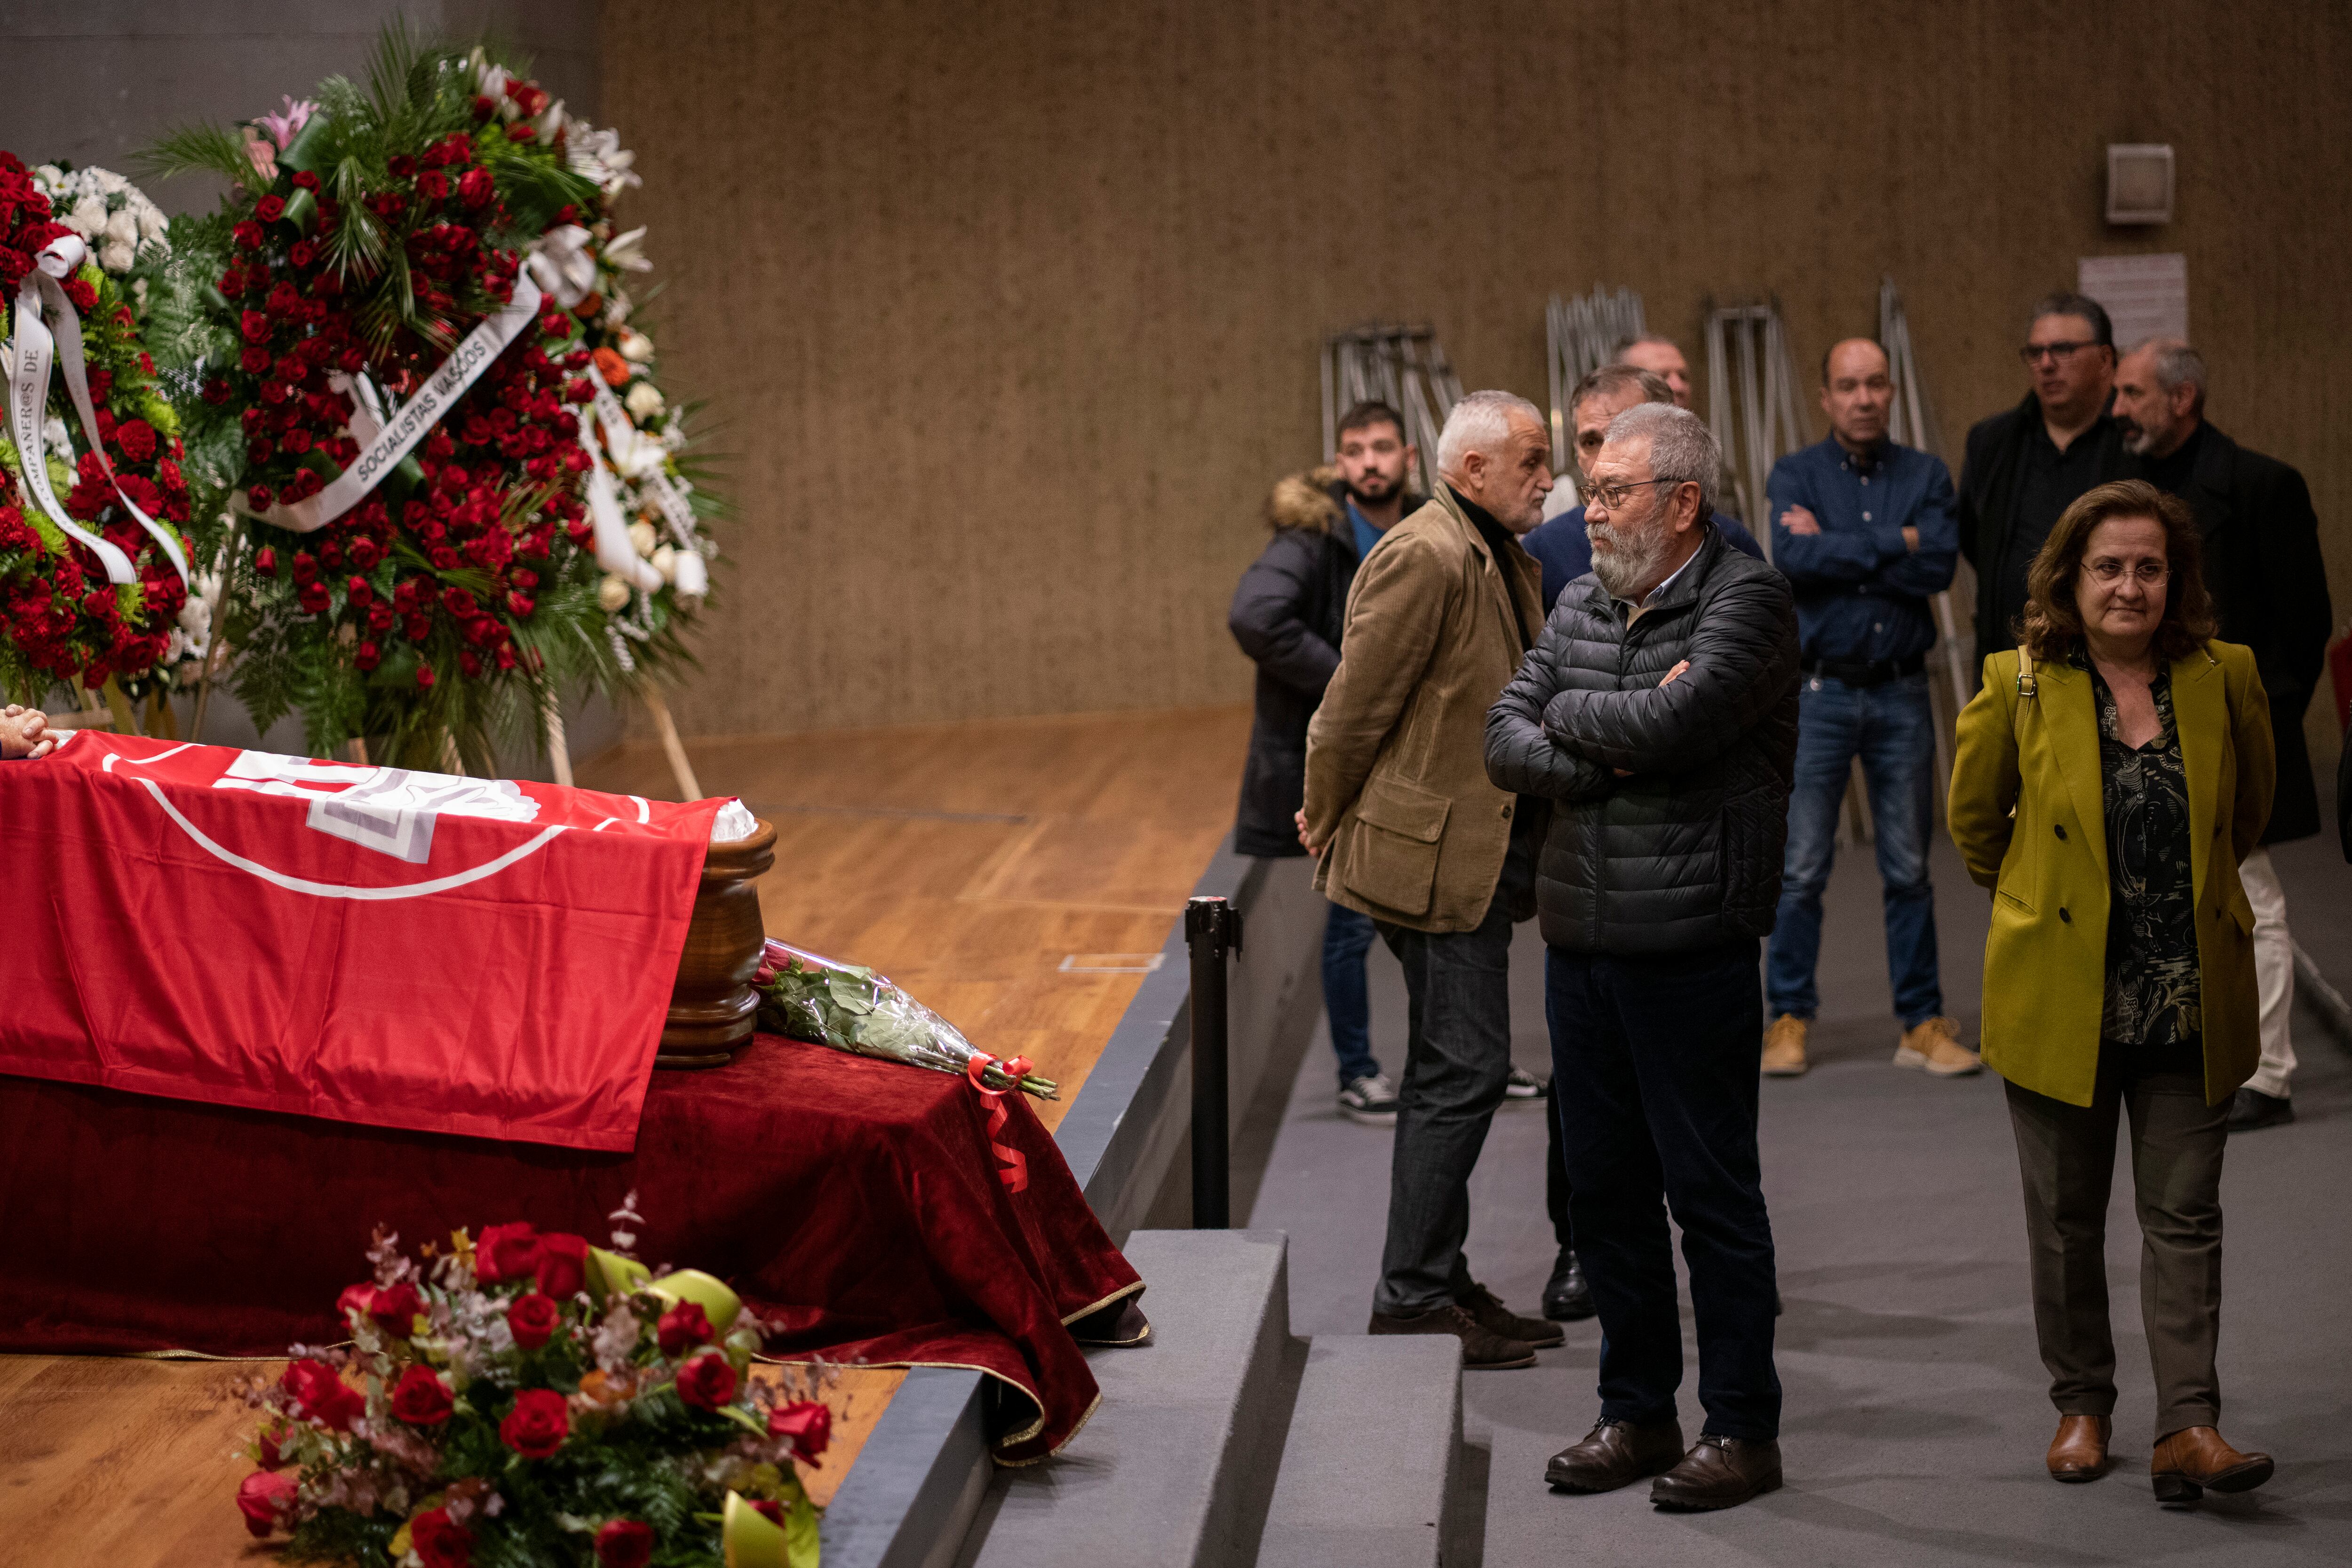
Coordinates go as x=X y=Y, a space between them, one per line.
x=1611 y=379
x=1682 y=448
x=1480 y=423
x=2176 y=365
x=1638 y=339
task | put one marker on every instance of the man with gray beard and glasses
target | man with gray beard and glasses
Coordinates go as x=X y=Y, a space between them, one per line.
x=1657 y=712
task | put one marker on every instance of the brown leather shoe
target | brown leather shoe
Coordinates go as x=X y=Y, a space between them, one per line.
x=1718 y=1472
x=2195 y=1460
x=2079 y=1451
x=1487 y=1310
x=1784 y=1047
x=1481 y=1351
x=1614 y=1453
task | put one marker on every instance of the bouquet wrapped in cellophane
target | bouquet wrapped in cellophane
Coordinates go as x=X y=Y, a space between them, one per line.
x=850 y=1007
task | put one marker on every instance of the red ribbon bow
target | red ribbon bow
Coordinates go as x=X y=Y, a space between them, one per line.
x=1015 y=1174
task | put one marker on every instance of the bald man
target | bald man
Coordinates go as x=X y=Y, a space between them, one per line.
x=1661 y=358
x=1863 y=529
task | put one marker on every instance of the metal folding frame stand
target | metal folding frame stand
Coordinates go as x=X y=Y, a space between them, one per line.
x=1212 y=931
x=1580 y=335
x=1401 y=366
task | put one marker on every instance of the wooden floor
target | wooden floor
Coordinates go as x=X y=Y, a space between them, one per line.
x=1012 y=874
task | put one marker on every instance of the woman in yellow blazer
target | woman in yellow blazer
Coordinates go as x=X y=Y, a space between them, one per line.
x=2109 y=778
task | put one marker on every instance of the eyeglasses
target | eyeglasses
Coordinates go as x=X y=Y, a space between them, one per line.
x=2149 y=573
x=2058 y=353
x=1609 y=498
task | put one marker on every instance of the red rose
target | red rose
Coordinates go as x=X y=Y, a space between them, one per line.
x=357 y=590
x=313 y=598
x=538 y=1424
x=441 y=1541
x=271 y=1457
x=253 y=359
x=367 y=655
x=475 y=187
x=264 y=560
x=259 y=495
x=624 y=1543
x=520 y=605
x=305 y=181
x=808 y=1424
x=270 y=209
x=505 y=1251
x=255 y=326
x=707 y=1382
x=401 y=166
x=682 y=1328
x=232 y=283
x=216 y=391
x=470 y=663
x=433 y=184
x=248 y=234
x=421 y=1398
x=321 y=1393
x=265 y=1498
x=303 y=252
x=532 y=1319
x=562 y=1264
x=521 y=130
x=769 y=1508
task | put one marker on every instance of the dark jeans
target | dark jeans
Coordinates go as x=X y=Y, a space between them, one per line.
x=1555 y=1193
x=1458 y=1063
x=1891 y=728
x=2067 y=1157
x=1346 y=1000
x=1655 y=1071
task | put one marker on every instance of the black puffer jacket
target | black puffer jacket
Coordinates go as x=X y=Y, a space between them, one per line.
x=1286 y=615
x=1685 y=851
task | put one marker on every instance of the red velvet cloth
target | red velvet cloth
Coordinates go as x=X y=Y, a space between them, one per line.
x=854 y=1201
x=364 y=943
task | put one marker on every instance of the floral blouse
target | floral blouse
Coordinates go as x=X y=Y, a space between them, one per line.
x=2153 y=1001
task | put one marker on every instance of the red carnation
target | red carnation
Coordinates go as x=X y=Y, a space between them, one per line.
x=265 y=1499
x=270 y=209
x=421 y=1398
x=532 y=1318
x=707 y=1382
x=475 y=187
x=808 y=1424
x=683 y=1327
x=441 y=1541
x=84 y=297
x=433 y=184
x=135 y=437
x=400 y=165
x=562 y=1264
x=539 y=1423
x=624 y=1543
x=321 y=1393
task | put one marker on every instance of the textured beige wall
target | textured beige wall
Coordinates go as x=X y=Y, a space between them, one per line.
x=1011 y=310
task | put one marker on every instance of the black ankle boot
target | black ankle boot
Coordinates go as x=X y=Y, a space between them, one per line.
x=1568 y=1298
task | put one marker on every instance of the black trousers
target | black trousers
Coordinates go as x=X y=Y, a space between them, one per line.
x=1654 y=1062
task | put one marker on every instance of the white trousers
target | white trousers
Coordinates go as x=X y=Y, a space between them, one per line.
x=2274 y=973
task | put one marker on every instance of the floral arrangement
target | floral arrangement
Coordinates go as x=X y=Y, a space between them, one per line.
x=850 y=1007
x=366 y=235
x=62 y=621
x=525 y=1398
x=644 y=441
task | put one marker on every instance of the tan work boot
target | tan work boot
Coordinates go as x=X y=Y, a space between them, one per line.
x=1784 y=1047
x=1935 y=1044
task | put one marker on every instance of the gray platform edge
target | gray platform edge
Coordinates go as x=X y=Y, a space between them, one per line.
x=918 y=1484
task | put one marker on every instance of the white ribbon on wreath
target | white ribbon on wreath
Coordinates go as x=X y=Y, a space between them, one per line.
x=38 y=340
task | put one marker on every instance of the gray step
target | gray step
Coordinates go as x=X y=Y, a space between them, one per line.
x=1373 y=1455
x=1175 y=1467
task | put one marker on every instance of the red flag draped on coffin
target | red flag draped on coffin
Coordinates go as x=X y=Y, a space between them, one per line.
x=364 y=943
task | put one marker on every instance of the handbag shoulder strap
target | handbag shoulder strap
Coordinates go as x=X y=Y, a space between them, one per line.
x=2027 y=685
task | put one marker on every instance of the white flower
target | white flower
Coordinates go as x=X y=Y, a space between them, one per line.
x=635 y=347
x=122 y=227
x=50 y=176
x=616 y=309
x=153 y=225
x=110 y=182
x=613 y=593
x=60 y=439
x=644 y=400
x=116 y=257
x=641 y=537
x=626 y=252
x=88 y=217
x=665 y=561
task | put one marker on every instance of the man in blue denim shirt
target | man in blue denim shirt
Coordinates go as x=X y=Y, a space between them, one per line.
x=1864 y=532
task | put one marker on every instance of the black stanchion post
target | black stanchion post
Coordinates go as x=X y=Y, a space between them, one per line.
x=1213 y=927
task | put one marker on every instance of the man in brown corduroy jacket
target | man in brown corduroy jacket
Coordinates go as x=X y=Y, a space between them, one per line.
x=1412 y=834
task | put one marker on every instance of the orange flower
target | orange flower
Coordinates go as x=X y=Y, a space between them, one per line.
x=615 y=369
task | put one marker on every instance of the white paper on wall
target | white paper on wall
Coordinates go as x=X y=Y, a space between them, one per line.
x=2145 y=296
